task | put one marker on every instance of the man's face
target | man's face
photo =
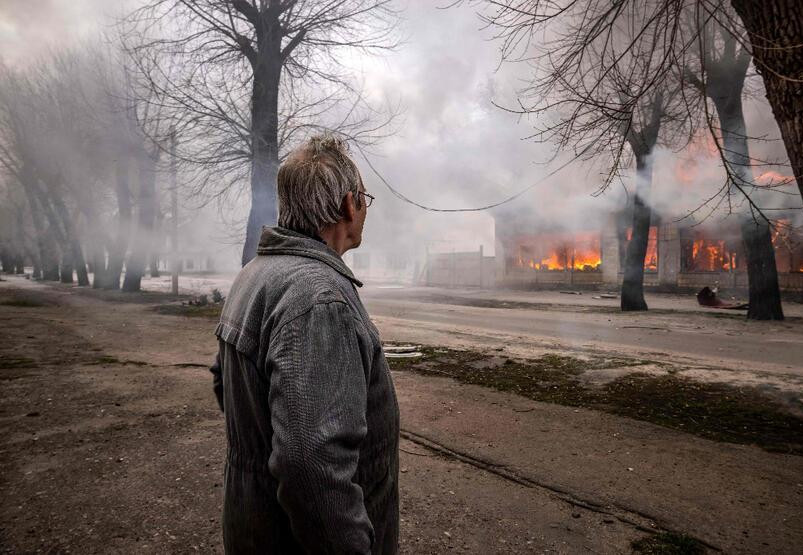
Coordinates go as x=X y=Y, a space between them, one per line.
x=359 y=216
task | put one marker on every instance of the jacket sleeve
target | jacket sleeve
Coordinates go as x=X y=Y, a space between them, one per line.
x=317 y=401
x=217 y=380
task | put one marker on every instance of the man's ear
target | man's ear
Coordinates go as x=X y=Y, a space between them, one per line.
x=348 y=209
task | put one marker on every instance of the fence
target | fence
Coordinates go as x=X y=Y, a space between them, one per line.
x=460 y=269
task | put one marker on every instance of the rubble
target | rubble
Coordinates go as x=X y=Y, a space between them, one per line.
x=402 y=351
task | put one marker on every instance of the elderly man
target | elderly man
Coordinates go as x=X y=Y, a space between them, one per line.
x=311 y=415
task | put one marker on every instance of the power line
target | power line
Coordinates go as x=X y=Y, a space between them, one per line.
x=408 y=200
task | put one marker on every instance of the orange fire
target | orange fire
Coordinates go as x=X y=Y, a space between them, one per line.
x=710 y=255
x=687 y=166
x=560 y=252
x=651 y=258
x=774 y=179
x=788 y=243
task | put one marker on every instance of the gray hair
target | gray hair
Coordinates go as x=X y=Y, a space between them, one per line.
x=312 y=183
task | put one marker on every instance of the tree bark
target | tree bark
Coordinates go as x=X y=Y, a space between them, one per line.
x=98 y=268
x=49 y=252
x=775 y=29
x=765 y=295
x=762 y=273
x=78 y=262
x=44 y=239
x=117 y=251
x=37 y=265
x=135 y=266
x=66 y=269
x=264 y=138
x=6 y=260
x=157 y=238
x=632 y=297
x=154 y=264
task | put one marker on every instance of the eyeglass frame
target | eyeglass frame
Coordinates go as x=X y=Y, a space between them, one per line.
x=369 y=198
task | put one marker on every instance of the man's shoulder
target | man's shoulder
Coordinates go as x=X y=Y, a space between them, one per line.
x=282 y=287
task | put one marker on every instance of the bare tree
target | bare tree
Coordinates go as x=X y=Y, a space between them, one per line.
x=587 y=41
x=720 y=76
x=641 y=138
x=775 y=30
x=61 y=138
x=245 y=79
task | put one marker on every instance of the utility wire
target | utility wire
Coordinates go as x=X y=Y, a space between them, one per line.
x=478 y=209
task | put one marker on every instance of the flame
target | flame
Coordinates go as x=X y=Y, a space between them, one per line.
x=711 y=255
x=772 y=178
x=560 y=252
x=651 y=258
x=788 y=242
x=701 y=148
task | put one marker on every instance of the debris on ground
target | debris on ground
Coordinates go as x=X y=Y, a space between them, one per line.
x=200 y=300
x=572 y=292
x=605 y=296
x=708 y=297
x=402 y=351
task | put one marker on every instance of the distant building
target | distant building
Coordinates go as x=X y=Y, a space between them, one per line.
x=679 y=255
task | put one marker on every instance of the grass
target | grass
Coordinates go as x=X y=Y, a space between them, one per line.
x=713 y=411
x=668 y=543
x=207 y=311
x=10 y=362
x=23 y=303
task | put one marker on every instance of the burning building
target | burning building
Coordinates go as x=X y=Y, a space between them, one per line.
x=680 y=255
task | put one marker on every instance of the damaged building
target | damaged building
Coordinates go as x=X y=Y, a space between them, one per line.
x=681 y=254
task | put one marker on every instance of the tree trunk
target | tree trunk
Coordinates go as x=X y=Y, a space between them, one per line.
x=49 y=252
x=19 y=264
x=59 y=229
x=264 y=145
x=98 y=265
x=80 y=262
x=762 y=273
x=7 y=260
x=157 y=237
x=154 y=263
x=117 y=251
x=37 y=267
x=135 y=266
x=77 y=260
x=633 y=283
x=44 y=240
x=775 y=29
x=66 y=269
x=765 y=295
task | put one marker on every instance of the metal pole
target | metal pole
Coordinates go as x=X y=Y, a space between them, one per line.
x=481 y=257
x=174 y=212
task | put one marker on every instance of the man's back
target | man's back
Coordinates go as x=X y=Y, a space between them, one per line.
x=311 y=414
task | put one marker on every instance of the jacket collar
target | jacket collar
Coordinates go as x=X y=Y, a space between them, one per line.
x=279 y=240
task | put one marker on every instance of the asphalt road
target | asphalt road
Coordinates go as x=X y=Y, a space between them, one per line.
x=720 y=339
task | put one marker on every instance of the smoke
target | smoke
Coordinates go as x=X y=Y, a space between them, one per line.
x=456 y=149
x=28 y=29
x=453 y=148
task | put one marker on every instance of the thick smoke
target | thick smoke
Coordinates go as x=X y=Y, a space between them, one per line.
x=453 y=148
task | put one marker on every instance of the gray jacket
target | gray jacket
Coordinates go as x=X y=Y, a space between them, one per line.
x=311 y=414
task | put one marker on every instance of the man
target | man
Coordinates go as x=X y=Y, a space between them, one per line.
x=311 y=414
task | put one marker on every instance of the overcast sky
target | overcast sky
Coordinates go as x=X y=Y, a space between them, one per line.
x=453 y=147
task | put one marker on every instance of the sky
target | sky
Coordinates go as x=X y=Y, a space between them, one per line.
x=452 y=147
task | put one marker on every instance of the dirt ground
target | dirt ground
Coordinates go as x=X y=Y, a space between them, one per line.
x=112 y=443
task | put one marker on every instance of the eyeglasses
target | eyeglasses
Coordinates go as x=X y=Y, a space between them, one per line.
x=368 y=198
